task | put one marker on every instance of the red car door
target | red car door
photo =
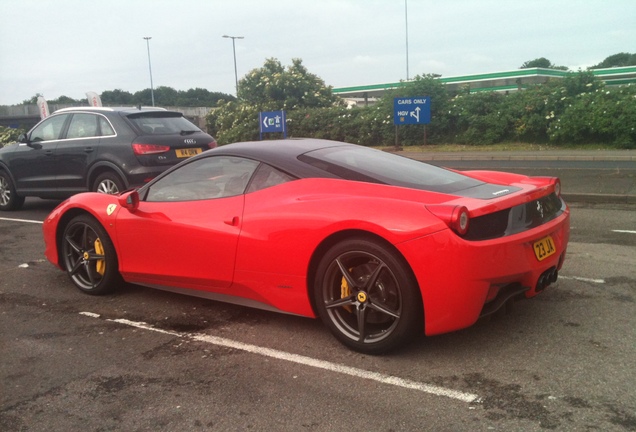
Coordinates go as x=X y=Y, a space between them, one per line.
x=188 y=244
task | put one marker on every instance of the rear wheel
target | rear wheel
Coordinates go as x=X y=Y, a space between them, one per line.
x=367 y=296
x=89 y=256
x=9 y=199
x=108 y=183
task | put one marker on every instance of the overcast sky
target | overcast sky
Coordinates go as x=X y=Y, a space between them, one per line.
x=69 y=47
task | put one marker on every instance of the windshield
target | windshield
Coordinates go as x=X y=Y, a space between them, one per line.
x=158 y=123
x=375 y=166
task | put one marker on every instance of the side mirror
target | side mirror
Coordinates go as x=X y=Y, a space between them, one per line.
x=23 y=138
x=129 y=200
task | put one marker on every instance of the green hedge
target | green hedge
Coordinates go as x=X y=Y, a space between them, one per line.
x=578 y=109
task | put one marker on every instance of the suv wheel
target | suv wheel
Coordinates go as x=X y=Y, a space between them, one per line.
x=108 y=183
x=9 y=199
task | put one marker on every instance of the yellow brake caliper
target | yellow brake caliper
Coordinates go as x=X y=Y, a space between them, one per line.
x=345 y=291
x=100 y=265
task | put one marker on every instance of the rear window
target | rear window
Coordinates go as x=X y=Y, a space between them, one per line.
x=162 y=123
x=375 y=166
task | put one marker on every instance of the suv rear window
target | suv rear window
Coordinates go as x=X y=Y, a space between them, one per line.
x=160 y=123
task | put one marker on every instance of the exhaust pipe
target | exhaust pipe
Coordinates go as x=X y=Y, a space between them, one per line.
x=547 y=278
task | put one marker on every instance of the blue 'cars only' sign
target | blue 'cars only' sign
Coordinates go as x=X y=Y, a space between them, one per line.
x=412 y=110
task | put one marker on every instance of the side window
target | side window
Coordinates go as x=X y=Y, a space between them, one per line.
x=207 y=178
x=49 y=129
x=267 y=176
x=82 y=126
x=105 y=127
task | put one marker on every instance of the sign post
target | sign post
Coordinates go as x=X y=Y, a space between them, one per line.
x=411 y=111
x=272 y=121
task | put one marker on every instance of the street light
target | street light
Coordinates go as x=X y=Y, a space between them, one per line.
x=406 y=20
x=234 y=51
x=152 y=90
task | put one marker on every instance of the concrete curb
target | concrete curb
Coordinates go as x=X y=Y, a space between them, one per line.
x=522 y=158
x=598 y=198
x=586 y=179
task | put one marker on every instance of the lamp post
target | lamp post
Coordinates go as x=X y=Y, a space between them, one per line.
x=152 y=90
x=234 y=52
x=406 y=20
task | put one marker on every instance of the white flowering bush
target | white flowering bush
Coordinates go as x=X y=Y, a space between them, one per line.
x=607 y=115
x=578 y=109
x=9 y=135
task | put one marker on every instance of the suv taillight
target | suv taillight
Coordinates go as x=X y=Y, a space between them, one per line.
x=212 y=144
x=146 y=149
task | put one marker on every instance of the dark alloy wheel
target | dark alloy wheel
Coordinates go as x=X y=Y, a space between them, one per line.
x=9 y=199
x=89 y=256
x=367 y=296
x=108 y=183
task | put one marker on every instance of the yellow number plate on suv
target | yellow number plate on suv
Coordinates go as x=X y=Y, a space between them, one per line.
x=184 y=153
x=544 y=248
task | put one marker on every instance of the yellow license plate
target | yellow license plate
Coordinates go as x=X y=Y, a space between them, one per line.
x=184 y=153
x=544 y=248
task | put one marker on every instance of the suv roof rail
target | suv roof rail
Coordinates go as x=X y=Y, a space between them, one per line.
x=97 y=109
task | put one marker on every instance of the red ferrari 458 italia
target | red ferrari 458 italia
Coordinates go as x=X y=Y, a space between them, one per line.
x=379 y=246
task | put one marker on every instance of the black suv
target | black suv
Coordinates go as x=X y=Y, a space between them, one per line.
x=95 y=149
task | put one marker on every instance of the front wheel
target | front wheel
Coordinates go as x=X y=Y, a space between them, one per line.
x=367 y=296
x=9 y=199
x=89 y=256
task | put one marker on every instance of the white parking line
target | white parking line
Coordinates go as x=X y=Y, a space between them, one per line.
x=305 y=361
x=624 y=231
x=21 y=220
x=582 y=279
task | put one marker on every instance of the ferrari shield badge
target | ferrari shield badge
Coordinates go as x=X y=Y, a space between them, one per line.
x=110 y=209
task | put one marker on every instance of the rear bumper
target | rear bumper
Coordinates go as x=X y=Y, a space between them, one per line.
x=459 y=279
x=139 y=176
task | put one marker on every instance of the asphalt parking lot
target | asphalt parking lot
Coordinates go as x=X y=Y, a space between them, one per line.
x=142 y=359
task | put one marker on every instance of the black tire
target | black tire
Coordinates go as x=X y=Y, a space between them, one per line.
x=108 y=183
x=9 y=199
x=89 y=257
x=367 y=296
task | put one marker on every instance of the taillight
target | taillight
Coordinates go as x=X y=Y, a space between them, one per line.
x=146 y=149
x=212 y=144
x=557 y=187
x=456 y=217
x=460 y=220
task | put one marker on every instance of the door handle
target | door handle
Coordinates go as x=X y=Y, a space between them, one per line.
x=232 y=222
x=88 y=149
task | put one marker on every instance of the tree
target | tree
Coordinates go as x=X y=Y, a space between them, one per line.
x=201 y=97
x=270 y=88
x=617 y=60
x=65 y=100
x=33 y=100
x=541 y=62
x=117 y=97
x=276 y=87
x=163 y=96
x=143 y=97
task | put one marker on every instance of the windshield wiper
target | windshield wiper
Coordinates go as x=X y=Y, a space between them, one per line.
x=187 y=132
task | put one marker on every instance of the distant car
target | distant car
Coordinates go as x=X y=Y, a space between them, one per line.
x=379 y=246
x=103 y=150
